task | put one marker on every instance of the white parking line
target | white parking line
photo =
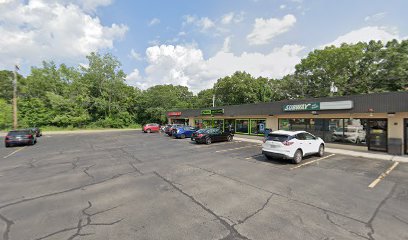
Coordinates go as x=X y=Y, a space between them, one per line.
x=383 y=175
x=307 y=163
x=14 y=152
x=232 y=149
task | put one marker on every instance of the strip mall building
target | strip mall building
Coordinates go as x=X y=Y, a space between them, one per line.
x=378 y=121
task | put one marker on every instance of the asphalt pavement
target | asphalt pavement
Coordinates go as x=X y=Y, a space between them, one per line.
x=131 y=185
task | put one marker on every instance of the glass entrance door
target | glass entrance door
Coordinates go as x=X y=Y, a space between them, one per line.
x=377 y=135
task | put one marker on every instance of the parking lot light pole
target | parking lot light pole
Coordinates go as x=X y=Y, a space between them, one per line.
x=15 y=123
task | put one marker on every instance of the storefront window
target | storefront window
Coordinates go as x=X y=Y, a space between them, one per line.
x=257 y=126
x=229 y=125
x=207 y=123
x=242 y=126
x=198 y=123
x=218 y=123
x=351 y=131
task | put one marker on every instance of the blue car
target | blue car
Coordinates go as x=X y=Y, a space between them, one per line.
x=183 y=132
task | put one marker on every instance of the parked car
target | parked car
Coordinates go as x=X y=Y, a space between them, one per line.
x=20 y=137
x=183 y=132
x=163 y=128
x=210 y=135
x=37 y=131
x=169 y=131
x=292 y=145
x=352 y=134
x=151 y=127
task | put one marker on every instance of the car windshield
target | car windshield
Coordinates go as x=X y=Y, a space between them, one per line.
x=278 y=137
x=18 y=133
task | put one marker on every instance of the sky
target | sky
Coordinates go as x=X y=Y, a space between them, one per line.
x=190 y=43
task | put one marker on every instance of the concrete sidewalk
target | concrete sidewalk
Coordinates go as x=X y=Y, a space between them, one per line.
x=363 y=154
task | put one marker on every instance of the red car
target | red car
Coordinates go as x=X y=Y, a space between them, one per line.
x=151 y=127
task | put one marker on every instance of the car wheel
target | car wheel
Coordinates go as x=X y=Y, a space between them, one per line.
x=182 y=136
x=7 y=145
x=148 y=131
x=208 y=140
x=321 y=150
x=229 y=138
x=297 y=158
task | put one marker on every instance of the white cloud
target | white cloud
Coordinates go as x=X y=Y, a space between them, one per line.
x=203 y=23
x=226 y=47
x=267 y=29
x=185 y=65
x=154 y=21
x=49 y=30
x=367 y=34
x=375 y=17
x=283 y=6
x=133 y=79
x=232 y=18
x=135 y=55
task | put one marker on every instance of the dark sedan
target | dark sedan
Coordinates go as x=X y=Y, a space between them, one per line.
x=210 y=135
x=20 y=137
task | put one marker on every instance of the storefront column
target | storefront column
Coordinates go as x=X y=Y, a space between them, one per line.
x=272 y=123
x=396 y=127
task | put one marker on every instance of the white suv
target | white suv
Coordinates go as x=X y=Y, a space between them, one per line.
x=292 y=145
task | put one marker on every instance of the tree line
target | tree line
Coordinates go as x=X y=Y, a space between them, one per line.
x=97 y=95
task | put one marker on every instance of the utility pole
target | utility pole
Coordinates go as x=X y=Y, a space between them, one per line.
x=213 y=100
x=15 y=123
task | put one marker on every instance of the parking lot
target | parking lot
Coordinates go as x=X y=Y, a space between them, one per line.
x=131 y=185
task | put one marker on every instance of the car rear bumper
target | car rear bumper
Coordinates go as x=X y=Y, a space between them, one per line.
x=18 y=142
x=276 y=155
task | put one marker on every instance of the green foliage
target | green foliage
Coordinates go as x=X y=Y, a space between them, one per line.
x=6 y=114
x=96 y=95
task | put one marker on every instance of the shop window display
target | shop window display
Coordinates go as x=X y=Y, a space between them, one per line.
x=242 y=126
x=258 y=126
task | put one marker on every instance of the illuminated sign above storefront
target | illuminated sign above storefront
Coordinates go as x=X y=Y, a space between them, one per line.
x=174 y=114
x=212 y=111
x=315 y=106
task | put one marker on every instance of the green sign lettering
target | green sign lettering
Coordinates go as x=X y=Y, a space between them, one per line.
x=302 y=107
x=212 y=111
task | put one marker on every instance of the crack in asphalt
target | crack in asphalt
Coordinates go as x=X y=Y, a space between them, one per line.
x=65 y=191
x=135 y=168
x=233 y=233
x=86 y=171
x=8 y=227
x=369 y=224
x=401 y=220
x=342 y=227
x=281 y=195
x=257 y=211
x=80 y=225
x=130 y=155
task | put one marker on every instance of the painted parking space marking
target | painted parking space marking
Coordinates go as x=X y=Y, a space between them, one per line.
x=383 y=175
x=14 y=152
x=232 y=149
x=313 y=161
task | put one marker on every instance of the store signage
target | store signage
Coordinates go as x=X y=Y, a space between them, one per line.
x=212 y=111
x=174 y=114
x=314 y=106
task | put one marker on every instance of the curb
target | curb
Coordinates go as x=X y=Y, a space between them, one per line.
x=385 y=157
